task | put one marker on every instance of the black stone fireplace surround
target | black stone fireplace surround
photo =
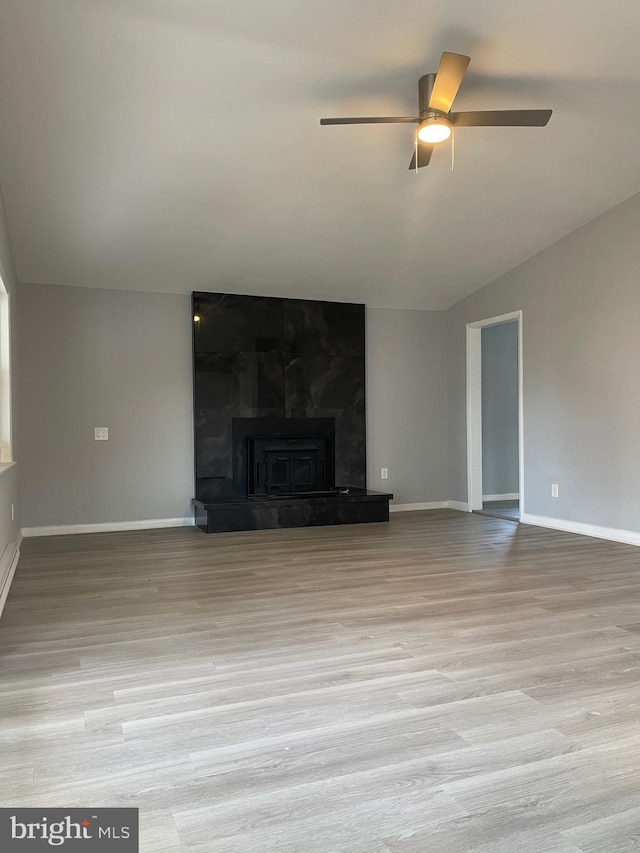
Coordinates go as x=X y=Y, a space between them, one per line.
x=279 y=398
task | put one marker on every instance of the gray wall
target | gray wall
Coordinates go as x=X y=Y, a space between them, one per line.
x=122 y=359
x=406 y=403
x=9 y=478
x=109 y=358
x=581 y=311
x=500 y=409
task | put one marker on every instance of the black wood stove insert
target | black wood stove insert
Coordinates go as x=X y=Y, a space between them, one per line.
x=288 y=466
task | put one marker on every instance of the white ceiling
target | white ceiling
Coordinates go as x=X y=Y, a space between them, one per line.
x=174 y=145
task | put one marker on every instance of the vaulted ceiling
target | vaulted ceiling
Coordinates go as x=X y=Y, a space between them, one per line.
x=175 y=145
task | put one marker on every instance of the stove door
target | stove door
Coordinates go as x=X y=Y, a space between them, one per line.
x=279 y=471
x=305 y=472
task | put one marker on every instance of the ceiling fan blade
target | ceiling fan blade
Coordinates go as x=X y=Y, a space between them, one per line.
x=371 y=120
x=425 y=150
x=501 y=118
x=449 y=76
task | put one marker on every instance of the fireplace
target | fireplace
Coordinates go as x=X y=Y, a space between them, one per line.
x=287 y=466
x=279 y=414
x=283 y=456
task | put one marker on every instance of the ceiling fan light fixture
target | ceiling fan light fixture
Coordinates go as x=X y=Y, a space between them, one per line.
x=434 y=129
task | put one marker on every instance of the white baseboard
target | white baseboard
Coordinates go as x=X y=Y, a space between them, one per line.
x=613 y=534
x=459 y=505
x=8 y=565
x=510 y=496
x=107 y=527
x=411 y=507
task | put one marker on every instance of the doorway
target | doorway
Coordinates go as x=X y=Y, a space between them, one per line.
x=495 y=454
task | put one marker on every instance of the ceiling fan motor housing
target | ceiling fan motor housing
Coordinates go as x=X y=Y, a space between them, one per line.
x=431 y=120
x=425 y=88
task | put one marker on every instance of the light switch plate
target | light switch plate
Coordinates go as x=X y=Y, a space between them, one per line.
x=101 y=433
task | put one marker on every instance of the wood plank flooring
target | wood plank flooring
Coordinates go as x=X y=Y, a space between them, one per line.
x=447 y=682
x=501 y=509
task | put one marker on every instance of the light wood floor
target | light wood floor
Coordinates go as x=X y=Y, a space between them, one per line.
x=446 y=683
x=501 y=509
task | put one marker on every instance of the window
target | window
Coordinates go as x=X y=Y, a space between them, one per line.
x=5 y=376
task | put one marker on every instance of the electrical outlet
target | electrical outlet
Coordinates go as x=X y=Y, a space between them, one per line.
x=554 y=490
x=101 y=433
x=384 y=473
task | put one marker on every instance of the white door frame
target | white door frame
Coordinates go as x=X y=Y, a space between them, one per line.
x=474 y=408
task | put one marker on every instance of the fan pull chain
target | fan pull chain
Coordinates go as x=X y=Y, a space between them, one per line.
x=453 y=149
x=416 y=146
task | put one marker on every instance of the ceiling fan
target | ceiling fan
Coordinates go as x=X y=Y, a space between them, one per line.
x=436 y=93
